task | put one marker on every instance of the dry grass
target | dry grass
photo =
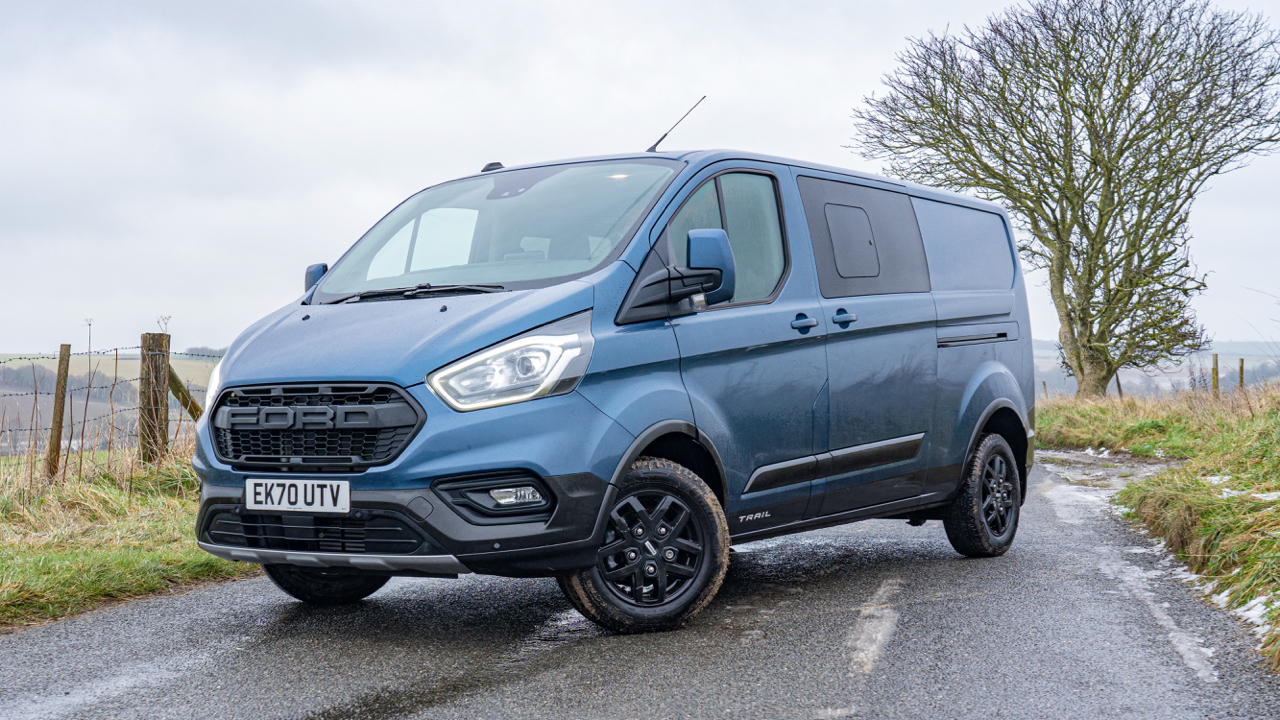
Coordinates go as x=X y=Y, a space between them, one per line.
x=1177 y=425
x=118 y=529
x=1220 y=510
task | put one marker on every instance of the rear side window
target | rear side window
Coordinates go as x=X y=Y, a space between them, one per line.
x=745 y=206
x=853 y=241
x=968 y=249
x=865 y=240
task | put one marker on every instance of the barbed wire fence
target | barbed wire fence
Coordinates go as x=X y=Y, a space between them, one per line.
x=100 y=416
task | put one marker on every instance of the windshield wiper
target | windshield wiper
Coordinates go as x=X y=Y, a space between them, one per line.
x=428 y=289
x=420 y=290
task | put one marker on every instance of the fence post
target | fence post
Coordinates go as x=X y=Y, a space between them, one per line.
x=1119 y=389
x=153 y=397
x=180 y=392
x=59 y=406
x=1215 y=375
x=1242 y=374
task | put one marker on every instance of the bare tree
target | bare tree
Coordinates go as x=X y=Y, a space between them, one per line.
x=1096 y=123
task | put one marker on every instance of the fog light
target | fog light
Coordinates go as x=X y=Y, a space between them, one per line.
x=525 y=495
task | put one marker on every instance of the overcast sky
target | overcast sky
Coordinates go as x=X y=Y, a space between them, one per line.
x=190 y=160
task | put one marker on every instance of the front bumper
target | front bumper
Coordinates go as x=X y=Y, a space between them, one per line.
x=544 y=546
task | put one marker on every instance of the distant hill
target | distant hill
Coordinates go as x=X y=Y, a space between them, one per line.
x=1261 y=362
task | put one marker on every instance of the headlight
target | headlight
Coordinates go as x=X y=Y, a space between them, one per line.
x=215 y=384
x=549 y=360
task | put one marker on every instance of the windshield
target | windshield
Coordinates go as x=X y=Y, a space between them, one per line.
x=517 y=229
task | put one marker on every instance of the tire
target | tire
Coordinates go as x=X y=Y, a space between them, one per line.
x=324 y=587
x=663 y=576
x=983 y=519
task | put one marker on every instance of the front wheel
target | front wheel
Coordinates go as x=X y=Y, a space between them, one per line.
x=324 y=587
x=983 y=519
x=664 y=553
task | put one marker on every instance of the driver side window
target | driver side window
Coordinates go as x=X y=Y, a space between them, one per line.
x=745 y=206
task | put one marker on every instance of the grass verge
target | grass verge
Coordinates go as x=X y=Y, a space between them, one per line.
x=1220 y=510
x=122 y=530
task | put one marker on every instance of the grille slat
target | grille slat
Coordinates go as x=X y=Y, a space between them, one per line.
x=243 y=438
x=307 y=533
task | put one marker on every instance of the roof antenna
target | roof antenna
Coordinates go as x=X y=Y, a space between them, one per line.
x=654 y=147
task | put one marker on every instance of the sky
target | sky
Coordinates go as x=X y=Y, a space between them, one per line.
x=188 y=160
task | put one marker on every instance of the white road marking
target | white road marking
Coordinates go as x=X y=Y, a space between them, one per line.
x=1133 y=581
x=876 y=620
x=871 y=631
x=133 y=678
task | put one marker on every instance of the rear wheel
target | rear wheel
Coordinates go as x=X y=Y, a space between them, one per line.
x=324 y=587
x=664 y=553
x=983 y=519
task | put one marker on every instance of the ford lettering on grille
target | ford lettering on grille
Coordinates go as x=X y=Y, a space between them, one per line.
x=314 y=418
x=339 y=427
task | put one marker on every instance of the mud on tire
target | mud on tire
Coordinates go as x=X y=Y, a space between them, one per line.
x=983 y=519
x=323 y=587
x=664 y=554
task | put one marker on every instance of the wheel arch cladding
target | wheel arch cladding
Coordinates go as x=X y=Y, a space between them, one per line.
x=993 y=403
x=681 y=443
x=1006 y=423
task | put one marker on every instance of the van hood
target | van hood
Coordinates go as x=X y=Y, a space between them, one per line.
x=396 y=341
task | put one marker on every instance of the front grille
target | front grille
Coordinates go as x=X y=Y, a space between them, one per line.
x=318 y=428
x=386 y=533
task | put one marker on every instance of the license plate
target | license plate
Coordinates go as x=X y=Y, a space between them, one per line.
x=322 y=496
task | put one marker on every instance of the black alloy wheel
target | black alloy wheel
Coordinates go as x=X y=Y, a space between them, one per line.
x=983 y=518
x=663 y=553
x=651 y=552
x=997 y=494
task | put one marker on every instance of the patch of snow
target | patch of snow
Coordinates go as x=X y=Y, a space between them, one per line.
x=1269 y=497
x=1255 y=611
x=1230 y=493
x=1074 y=504
x=1217 y=479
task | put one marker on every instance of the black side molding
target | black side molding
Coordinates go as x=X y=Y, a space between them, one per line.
x=836 y=462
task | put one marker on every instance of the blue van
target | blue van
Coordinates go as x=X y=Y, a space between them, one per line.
x=609 y=370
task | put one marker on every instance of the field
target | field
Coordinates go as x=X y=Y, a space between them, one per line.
x=118 y=530
x=1220 y=509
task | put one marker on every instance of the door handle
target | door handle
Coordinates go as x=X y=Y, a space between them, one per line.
x=803 y=322
x=844 y=317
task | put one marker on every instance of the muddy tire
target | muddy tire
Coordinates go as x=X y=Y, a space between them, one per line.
x=983 y=519
x=664 y=553
x=323 y=587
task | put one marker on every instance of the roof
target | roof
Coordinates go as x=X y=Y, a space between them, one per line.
x=698 y=159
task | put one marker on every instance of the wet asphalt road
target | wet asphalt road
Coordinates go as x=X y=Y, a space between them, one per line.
x=1081 y=619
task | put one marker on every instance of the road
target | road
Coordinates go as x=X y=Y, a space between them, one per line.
x=1083 y=618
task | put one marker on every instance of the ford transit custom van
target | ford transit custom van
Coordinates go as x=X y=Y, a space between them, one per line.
x=610 y=370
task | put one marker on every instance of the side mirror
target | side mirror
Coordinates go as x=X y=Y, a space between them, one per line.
x=660 y=291
x=709 y=250
x=314 y=273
